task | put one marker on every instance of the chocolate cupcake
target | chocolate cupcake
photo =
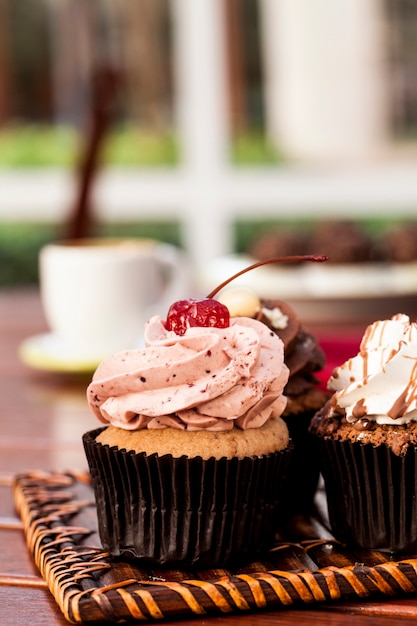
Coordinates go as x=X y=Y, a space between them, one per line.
x=343 y=241
x=368 y=440
x=187 y=472
x=304 y=358
x=278 y=242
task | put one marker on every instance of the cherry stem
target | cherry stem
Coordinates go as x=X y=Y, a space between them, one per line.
x=317 y=258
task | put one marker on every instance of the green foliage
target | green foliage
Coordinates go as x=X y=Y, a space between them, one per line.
x=41 y=145
x=37 y=145
x=19 y=248
x=129 y=146
x=252 y=148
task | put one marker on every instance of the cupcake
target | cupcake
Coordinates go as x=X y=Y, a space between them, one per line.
x=304 y=358
x=189 y=467
x=343 y=241
x=278 y=241
x=368 y=440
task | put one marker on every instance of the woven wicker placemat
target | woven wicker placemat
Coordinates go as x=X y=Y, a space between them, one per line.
x=60 y=525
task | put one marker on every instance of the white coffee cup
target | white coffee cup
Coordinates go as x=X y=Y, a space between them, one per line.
x=98 y=293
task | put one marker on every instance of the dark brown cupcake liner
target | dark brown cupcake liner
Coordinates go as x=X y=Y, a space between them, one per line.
x=371 y=495
x=304 y=467
x=169 y=511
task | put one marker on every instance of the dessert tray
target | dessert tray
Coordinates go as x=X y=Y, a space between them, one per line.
x=60 y=525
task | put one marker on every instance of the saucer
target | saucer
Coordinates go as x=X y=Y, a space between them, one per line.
x=50 y=353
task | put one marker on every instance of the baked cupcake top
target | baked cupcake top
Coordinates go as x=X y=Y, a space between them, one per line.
x=376 y=390
x=206 y=378
x=235 y=443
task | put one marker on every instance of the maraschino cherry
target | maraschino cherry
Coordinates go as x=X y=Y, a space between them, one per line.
x=208 y=312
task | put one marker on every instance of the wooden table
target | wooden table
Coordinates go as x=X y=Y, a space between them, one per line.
x=42 y=418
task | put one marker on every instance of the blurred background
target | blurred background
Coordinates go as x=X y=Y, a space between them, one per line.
x=205 y=123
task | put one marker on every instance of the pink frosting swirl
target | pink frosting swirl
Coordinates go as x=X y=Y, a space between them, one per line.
x=207 y=379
